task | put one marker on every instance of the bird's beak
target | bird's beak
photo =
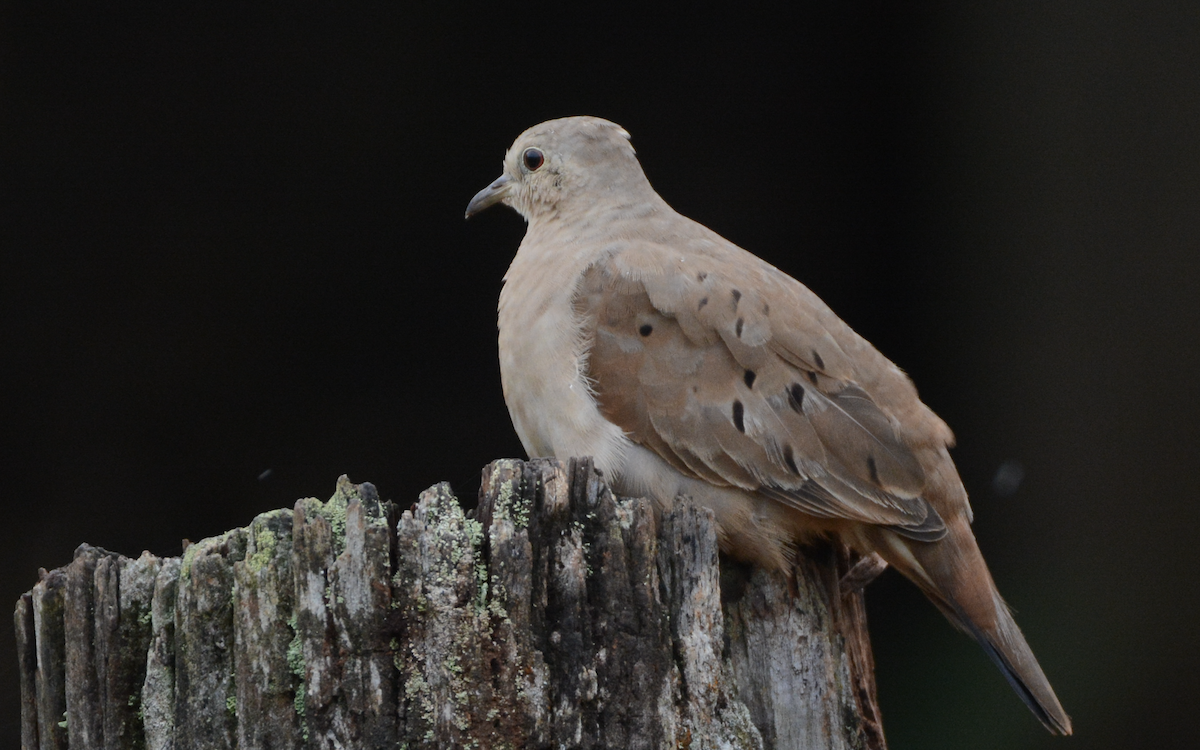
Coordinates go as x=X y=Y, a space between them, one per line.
x=490 y=195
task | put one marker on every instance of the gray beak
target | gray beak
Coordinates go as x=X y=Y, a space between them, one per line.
x=489 y=196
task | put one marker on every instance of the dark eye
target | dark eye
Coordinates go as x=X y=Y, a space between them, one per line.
x=533 y=159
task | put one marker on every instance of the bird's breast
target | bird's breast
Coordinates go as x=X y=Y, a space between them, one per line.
x=541 y=347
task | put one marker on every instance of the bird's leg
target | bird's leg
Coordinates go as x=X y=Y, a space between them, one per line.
x=865 y=570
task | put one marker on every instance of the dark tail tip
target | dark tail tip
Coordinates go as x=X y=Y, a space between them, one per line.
x=1050 y=713
x=1011 y=653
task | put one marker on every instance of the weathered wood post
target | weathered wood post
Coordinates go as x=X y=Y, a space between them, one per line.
x=553 y=616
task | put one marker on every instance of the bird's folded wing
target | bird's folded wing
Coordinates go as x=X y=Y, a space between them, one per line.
x=728 y=370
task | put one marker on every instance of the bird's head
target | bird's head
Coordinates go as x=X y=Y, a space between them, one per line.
x=563 y=161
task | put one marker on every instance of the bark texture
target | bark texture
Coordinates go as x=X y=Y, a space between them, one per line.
x=553 y=616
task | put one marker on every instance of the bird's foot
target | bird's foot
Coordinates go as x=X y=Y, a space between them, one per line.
x=864 y=571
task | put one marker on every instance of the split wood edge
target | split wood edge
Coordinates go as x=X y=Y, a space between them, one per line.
x=554 y=615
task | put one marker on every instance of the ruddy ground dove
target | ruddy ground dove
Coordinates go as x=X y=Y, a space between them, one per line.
x=691 y=370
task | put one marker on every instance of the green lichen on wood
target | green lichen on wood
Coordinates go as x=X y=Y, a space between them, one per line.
x=185 y=565
x=476 y=538
x=334 y=511
x=295 y=660
x=509 y=504
x=446 y=590
x=230 y=545
x=264 y=543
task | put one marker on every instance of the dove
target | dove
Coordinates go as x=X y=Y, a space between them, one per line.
x=690 y=370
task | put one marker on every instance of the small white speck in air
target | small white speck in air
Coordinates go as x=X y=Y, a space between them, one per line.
x=1008 y=478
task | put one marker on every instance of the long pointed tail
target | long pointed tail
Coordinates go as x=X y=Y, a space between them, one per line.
x=952 y=573
x=1005 y=644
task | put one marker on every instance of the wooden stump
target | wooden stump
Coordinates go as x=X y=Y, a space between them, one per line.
x=553 y=616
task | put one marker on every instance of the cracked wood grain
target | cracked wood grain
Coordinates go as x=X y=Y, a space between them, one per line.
x=552 y=615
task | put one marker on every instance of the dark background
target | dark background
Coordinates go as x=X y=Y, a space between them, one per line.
x=233 y=243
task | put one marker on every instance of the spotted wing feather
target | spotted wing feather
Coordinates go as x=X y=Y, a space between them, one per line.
x=688 y=363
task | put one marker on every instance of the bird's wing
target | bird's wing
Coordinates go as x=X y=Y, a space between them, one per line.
x=736 y=374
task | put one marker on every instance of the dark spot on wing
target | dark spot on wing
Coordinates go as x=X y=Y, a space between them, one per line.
x=796 y=398
x=737 y=297
x=813 y=377
x=703 y=302
x=749 y=377
x=790 y=458
x=702 y=276
x=766 y=309
x=646 y=329
x=873 y=470
x=737 y=328
x=817 y=358
x=739 y=416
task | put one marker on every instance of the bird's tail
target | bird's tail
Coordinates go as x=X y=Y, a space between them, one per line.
x=953 y=574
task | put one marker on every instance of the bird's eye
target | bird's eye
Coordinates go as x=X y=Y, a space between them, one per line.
x=533 y=159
